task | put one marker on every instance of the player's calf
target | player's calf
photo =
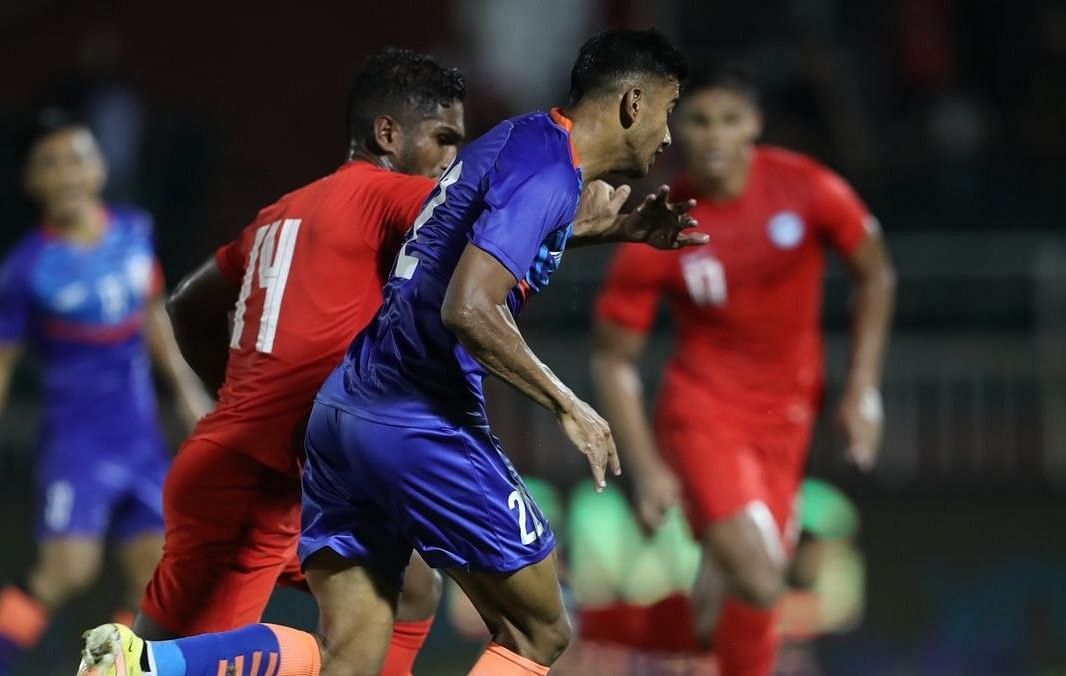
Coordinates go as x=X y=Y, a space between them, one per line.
x=525 y=614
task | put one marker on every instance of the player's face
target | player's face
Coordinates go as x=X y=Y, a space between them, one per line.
x=65 y=171
x=649 y=135
x=431 y=143
x=716 y=128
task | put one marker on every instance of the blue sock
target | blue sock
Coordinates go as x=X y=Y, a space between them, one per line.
x=210 y=654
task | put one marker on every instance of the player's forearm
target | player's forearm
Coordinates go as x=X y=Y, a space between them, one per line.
x=172 y=365
x=8 y=356
x=871 y=319
x=621 y=397
x=489 y=333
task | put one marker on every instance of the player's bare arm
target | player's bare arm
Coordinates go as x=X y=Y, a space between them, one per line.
x=475 y=309
x=192 y=400
x=9 y=354
x=657 y=221
x=860 y=413
x=616 y=373
x=199 y=311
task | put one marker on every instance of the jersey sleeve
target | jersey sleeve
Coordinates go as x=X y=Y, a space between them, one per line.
x=634 y=284
x=403 y=197
x=231 y=258
x=522 y=207
x=841 y=216
x=15 y=299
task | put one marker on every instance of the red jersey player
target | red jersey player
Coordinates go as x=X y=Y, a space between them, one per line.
x=300 y=281
x=740 y=395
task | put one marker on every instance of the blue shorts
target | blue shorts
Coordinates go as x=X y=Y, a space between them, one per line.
x=97 y=486
x=373 y=491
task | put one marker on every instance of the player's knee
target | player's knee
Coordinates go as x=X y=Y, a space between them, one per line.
x=59 y=582
x=422 y=591
x=760 y=585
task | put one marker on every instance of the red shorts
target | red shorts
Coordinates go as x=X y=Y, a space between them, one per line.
x=232 y=528
x=724 y=467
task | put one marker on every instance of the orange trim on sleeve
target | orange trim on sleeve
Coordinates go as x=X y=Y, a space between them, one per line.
x=566 y=123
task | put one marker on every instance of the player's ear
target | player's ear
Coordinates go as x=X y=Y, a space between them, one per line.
x=387 y=134
x=629 y=106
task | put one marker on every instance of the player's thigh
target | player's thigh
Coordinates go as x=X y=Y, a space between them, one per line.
x=718 y=467
x=139 y=556
x=524 y=610
x=232 y=528
x=356 y=613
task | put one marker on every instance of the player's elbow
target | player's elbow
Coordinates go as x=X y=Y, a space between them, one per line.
x=461 y=316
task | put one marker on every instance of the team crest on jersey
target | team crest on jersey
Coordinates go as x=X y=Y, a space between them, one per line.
x=786 y=229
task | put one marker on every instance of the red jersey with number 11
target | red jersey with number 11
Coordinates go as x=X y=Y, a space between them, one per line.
x=311 y=268
x=747 y=307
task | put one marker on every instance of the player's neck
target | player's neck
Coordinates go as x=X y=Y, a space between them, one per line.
x=361 y=154
x=727 y=187
x=82 y=225
x=596 y=158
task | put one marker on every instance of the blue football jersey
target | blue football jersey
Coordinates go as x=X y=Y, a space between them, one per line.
x=512 y=193
x=82 y=308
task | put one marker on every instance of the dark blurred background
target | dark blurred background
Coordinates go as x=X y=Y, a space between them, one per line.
x=948 y=116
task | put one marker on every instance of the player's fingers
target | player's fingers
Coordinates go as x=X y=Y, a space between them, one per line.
x=621 y=194
x=598 y=475
x=613 y=461
x=692 y=238
x=679 y=208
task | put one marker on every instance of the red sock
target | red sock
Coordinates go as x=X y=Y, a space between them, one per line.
x=499 y=661
x=407 y=640
x=745 y=640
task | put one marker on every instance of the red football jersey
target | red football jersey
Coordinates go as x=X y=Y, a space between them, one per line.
x=747 y=306
x=311 y=268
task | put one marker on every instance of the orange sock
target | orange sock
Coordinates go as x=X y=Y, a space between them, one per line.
x=22 y=621
x=298 y=650
x=407 y=640
x=499 y=661
x=124 y=616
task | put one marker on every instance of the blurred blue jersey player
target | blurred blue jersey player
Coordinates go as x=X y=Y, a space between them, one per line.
x=82 y=292
x=399 y=452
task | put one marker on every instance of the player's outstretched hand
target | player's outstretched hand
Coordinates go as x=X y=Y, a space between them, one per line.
x=861 y=421
x=591 y=434
x=661 y=223
x=657 y=490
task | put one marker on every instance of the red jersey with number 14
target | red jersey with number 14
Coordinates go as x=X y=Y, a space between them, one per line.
x=747 y=307
x=311 y=268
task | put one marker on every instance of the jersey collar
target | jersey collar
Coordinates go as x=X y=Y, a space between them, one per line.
x=567 y=124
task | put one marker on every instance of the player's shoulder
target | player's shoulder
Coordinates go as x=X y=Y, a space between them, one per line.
x=783 y=160
x=800 y=169
x=536 y=146
x=20 y=257
x=131 y=220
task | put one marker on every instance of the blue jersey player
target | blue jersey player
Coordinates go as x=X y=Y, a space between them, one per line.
x=399 y=452
x=82 y=292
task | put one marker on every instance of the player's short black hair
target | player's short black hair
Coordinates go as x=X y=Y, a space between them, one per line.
x=402 y=84
x=610 y=57
x=43 y=123
x=730 y=76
